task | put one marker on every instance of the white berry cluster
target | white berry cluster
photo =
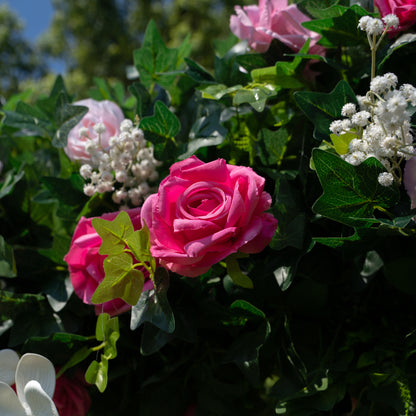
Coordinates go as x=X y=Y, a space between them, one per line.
x=125 y=168
x=374 y=26
x=381 y=125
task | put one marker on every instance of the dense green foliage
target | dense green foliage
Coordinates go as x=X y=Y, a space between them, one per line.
x=329 y=325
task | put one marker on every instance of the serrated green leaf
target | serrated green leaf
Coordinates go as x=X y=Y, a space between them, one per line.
x=113 y=233
x=323 y=108
x=351 y=192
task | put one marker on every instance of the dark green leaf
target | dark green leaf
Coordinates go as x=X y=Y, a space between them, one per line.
x=351 y=192
x=153 y=306
x=322 y=109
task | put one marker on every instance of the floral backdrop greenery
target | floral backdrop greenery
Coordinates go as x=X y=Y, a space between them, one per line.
x=230 y=242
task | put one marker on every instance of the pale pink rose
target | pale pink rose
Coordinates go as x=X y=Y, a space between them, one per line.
x=409 y=180
x=203 y=212
x=405 y=10
x=85 y=264
x=273 y=19
x=105 y=112
x=71 y=396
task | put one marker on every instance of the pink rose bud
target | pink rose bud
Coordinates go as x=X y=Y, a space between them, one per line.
x=405 y=10
x=203 y=212
x=273 y=19
x=85 y=264
x=101 y=114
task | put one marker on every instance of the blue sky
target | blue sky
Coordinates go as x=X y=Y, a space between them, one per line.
x=36 y=16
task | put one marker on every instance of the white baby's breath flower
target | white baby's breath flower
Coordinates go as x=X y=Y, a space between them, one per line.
x=85 y=171
x=385 y=179
x=83 y=132
x=89 y=189
x=374 y=26
x=348 y=110
x=391 y=20
x=336 y=127
x=99 y=128
x=361 y=118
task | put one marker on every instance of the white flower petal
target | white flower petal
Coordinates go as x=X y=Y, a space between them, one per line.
x=9 y=403
x=8 y=364
x=38 y=368
x=38 y=401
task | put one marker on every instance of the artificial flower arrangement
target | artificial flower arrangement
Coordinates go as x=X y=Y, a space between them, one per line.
x=235 y=242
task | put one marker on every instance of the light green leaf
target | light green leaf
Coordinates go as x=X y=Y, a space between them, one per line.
x=113 y=233
x=97 y=373
x=121 y=280
x=7 y=262
x=237 y=276
x=341 y=142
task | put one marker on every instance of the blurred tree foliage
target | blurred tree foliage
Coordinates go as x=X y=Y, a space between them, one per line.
x=18 y=58
x=98 y=37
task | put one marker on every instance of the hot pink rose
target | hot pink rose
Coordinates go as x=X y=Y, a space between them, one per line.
x=71 y=396
x=405 y=10
x=105 y=112
x=273 y=19
x=85 y=264
x=204 y=212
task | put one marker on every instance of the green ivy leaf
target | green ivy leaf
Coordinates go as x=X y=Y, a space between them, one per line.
x=161 y=129
x=155 y=62
x=255 y=95
x=67 y=116
x=153 y=305
x=143 y=98
x=237 y=276
x=272 y=145
x=121 y=280
x=340 y=30
x=341 y=142
x=113 y=233
x=97 y=373
x=351 y=193
x=323 y=108
x=139 y=243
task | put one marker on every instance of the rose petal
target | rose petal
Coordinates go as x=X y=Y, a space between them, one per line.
x=38 y=401
x=8 y=364
x=9 y=403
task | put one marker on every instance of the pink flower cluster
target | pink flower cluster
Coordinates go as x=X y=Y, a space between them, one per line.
x=202 y=213
x=405 y=10
x=273 y=19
